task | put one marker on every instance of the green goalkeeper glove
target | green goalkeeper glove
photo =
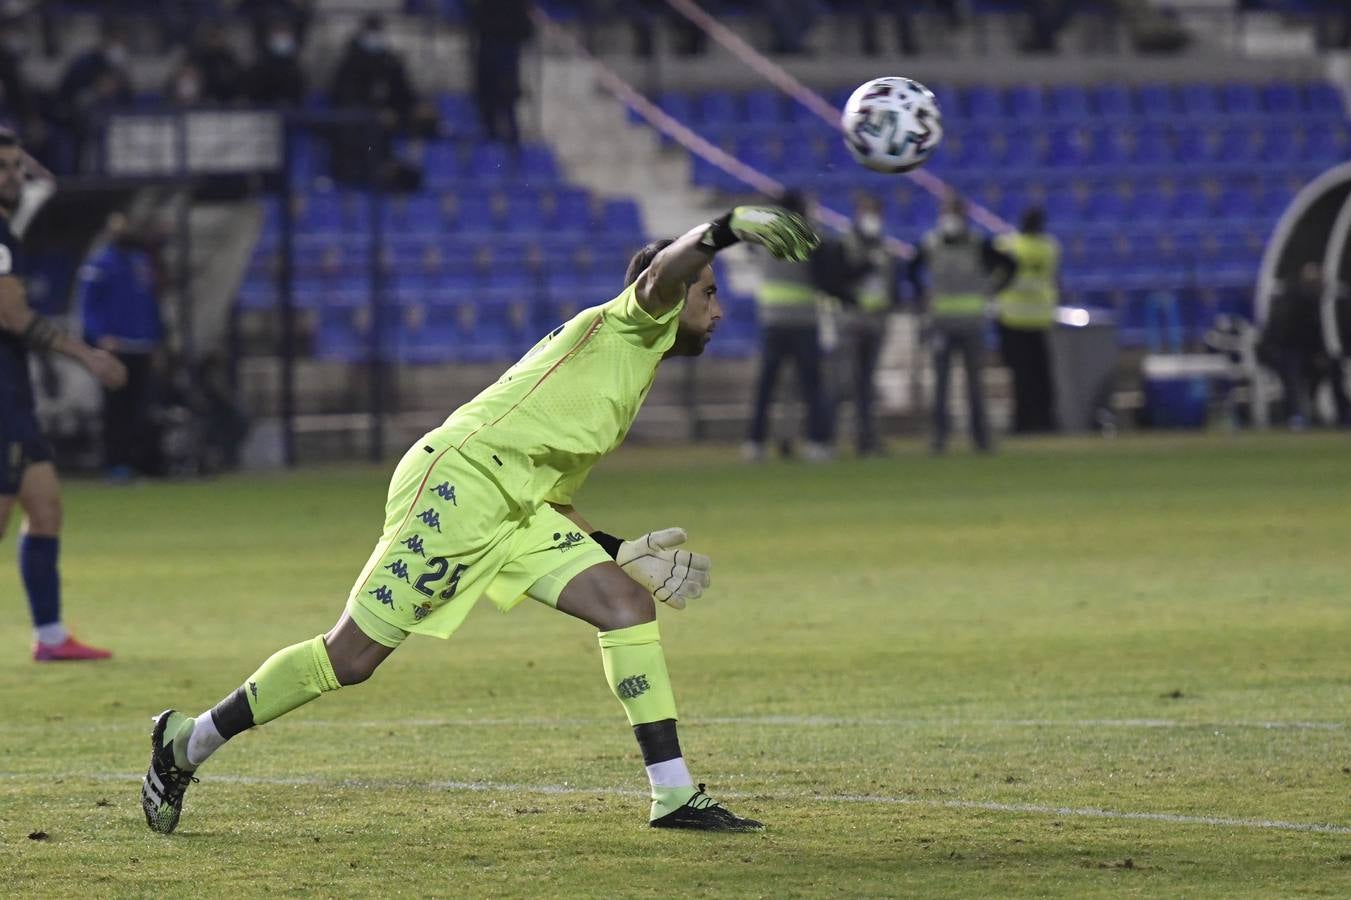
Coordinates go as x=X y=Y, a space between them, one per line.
x=673 y=576
x=785 y=234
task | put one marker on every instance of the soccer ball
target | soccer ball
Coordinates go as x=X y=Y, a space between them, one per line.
x=892 y=124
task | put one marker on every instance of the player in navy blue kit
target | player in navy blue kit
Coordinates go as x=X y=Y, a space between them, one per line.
x=26 y=470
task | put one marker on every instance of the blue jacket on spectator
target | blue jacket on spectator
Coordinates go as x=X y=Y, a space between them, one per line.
x=116 y=295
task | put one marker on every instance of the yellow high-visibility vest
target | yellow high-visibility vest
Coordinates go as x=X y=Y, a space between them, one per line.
x=784 y=293
x=1030 y=300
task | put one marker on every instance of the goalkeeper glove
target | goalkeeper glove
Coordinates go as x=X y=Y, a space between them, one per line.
x=673 y=576
x=785 y=234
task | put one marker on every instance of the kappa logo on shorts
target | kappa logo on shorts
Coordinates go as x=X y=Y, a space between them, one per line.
x=446 y=491
x=568 y=541
x=400 y=569
x=414 y=543
x=633 y=686
x=431 y=518
x=384 y=595
x=253 y=689
x=420 y=612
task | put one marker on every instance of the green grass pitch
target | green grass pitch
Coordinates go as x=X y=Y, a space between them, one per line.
x=1076 y=669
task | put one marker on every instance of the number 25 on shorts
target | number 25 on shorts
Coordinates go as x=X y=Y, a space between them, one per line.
x=436 y=570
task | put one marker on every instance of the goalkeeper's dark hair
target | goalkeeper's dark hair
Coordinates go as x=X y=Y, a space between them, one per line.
x=8 y=138
x=643 y=258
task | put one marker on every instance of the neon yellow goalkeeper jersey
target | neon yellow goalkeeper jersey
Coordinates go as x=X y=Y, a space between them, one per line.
x=569 y=401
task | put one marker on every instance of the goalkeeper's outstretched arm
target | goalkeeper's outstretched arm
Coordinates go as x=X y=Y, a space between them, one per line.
x=784 y=234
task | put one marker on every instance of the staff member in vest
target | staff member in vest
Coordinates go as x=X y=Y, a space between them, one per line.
x=870 y=294
x=1026 y=313
x=789 y=330
x=117 y=295
x=953 y=271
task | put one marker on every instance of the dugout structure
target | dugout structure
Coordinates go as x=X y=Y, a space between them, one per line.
x=1316 y=227
x=244 y=156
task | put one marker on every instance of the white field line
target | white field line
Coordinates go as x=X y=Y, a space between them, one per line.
x=1090 y=812
x=133 y=724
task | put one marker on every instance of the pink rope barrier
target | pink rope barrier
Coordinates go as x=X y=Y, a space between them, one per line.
x=782 y=79
x=691 y=140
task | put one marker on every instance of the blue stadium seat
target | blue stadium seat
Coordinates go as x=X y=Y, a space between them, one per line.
x=1148 y=204
x=441 y=162
x=1198 y=99
x=1150 y=145
x=524 y=213
x=982 y=103
x=764 y=107
x=1113 y=100
x=1193 y=144
x=573 y=210
x=622 y=217
x=1066 y=147
x=1241 y=98
x=1155 y=100
x=1021 y=148
x=473 y=211
x=677 y=105
x=719 y=108
x=1236 y=204
x=1323 y=97
x=1239 y=144
x=1283 y=98
x=491 y=163
x=1025 y=103
x=1108 y=147
x=1070 y=101
x=1324 y=144
x=537 y=165
x=1105 y=205
x=1191 y=203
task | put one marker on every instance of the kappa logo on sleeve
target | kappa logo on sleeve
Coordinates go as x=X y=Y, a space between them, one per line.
x=446 y=491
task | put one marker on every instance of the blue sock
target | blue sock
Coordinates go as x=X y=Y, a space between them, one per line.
x=37 y=566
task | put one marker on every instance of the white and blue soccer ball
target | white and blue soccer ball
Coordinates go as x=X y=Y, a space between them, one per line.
x=892 y=124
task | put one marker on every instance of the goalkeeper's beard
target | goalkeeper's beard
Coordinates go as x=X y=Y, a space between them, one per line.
x=689 y=343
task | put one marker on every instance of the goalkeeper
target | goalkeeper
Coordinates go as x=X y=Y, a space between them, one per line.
x=483 y=506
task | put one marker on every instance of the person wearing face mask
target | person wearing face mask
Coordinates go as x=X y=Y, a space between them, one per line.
x=860 y=273
x=276 y=78
x=790 y=331
x=371 y=76
x=96 y=82
x=500 y=29
x=1026 y=314
x=953 y=273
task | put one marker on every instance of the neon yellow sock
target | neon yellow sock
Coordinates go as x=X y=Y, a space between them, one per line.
x=636 y=669
x=289 y=679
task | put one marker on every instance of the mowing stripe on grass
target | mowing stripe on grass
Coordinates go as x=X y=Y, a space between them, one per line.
x=766 y=721
x=1090 y=812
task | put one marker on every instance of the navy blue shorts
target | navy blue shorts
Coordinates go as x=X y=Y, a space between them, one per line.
x=21 y=445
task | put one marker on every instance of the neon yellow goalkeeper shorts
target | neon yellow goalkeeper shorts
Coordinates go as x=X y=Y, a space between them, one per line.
x=451 y=537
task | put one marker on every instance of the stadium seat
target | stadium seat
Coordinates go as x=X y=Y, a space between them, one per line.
x=491 y=163
x=1323 y=97
x=719 y=108
x=677 y=105
x=1025 y=103
x=1198 y=99
x=1283 y=98
x=980 y=102
x=1070 y=101
x=537 y=165
x=1154 y=101
x=1113 y=100
x=764 y=107
x=1241 y=98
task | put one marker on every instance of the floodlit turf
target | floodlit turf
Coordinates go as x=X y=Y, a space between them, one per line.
x=1075 y=669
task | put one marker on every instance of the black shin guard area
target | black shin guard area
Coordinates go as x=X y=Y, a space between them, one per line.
x=232 y=715
x=658 y=741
